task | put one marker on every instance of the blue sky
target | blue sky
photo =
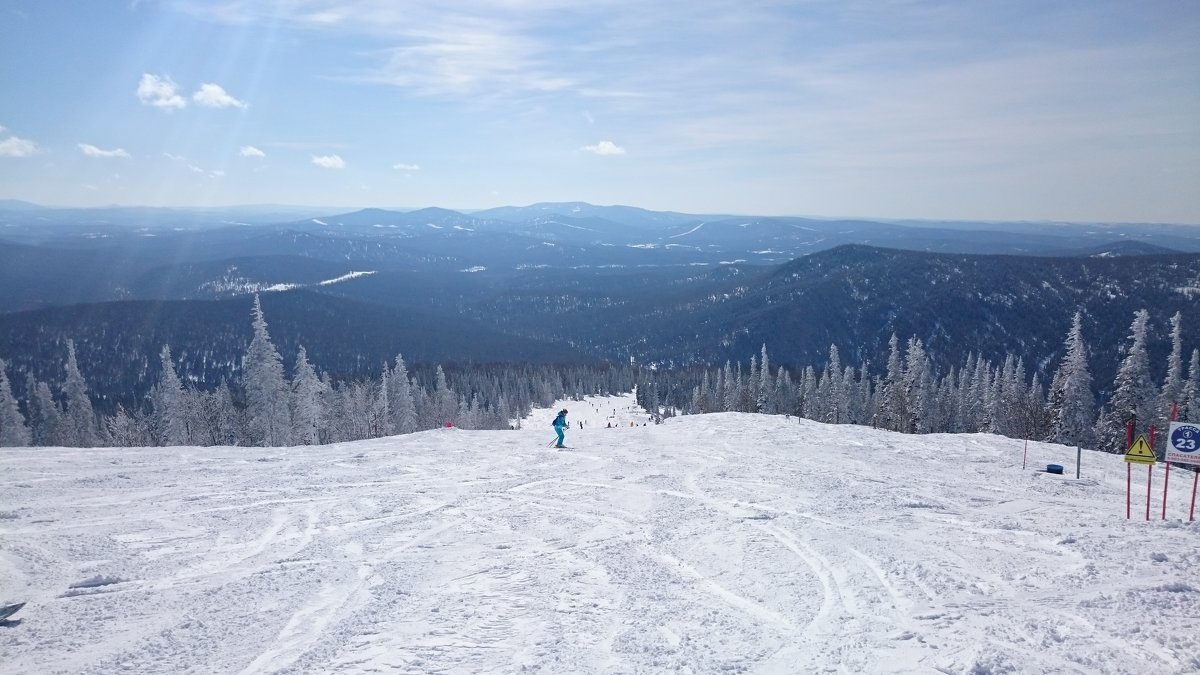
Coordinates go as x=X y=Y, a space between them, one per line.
x=1006 y=110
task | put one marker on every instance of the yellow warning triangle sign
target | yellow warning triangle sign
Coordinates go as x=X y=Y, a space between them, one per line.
x=1140 y=452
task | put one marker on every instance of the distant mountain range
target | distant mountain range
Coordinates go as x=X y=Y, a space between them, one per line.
x=568 y=282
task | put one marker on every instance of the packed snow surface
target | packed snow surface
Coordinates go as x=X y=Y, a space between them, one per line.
x=708 y=544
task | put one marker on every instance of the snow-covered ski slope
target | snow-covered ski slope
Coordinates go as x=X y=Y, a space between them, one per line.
x=714 y=543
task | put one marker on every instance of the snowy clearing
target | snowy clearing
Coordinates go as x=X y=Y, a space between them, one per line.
x=714 y=543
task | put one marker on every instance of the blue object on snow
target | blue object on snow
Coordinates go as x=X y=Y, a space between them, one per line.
x=1054 y=468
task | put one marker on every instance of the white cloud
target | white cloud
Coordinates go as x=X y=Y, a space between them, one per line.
x=173 y=158
x=159 y=92
x=92 y=151
x=605 y=148
x=406 y=167
x=215 y=96
x=3 y=128
x=251 y=151
x=17 y=147
x=217 y=173
x=329 y=161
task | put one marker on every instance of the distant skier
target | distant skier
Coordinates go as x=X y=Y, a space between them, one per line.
x=560 y=425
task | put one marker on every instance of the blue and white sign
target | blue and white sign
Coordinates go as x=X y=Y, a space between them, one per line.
x=1183 y=445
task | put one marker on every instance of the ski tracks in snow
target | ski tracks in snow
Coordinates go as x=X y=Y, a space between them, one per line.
x=723 y=543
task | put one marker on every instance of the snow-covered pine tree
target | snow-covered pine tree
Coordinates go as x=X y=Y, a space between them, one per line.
x=1173 y=385
x=44 y=414
x=753 y=382
x=1134 y=393
x=445 y=400
x=1189 y=410
x=764 y=404
x=169 y=414
x=13 y=430
x=404 y=413
x=863 y=409
x=836 y=403
x=381 y=407
x=916 y=387
x=703 y=397
x=893 y=407
x=79 y=425
x=808 y=405
x=785 y=395
x=307 y=405
x=266 y=387
x=128 y=429
x=1072 y=405
x=733 y=387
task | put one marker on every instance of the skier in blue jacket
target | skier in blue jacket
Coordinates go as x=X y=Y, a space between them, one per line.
x=560 y=425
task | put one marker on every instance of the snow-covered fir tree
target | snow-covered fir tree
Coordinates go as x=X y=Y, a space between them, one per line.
x=44 y=413
x=404 y=413
x=265 y=386
x=307 y=404
x=1134 y=395
x=79 y=427
x=893 y=406
x=1173 y=384
x=765 y=385
x=445 y=402
x=917 y=394
x=13 y=430
x=169 y=405
x=1189 y=410
x=1072 y=406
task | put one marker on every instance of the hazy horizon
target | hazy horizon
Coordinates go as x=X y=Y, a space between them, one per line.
x=933 y=110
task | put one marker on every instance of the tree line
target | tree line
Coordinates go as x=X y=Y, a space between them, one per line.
x=979 y=396
x=267 y=406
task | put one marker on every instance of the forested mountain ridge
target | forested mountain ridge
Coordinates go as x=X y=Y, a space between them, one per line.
x=118 y=342
x=63 y=256
x=856 y=297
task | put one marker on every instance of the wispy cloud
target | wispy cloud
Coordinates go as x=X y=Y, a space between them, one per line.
x=251 y=151
x=605 y=148
x=92 y=151
x=173 y=158
x=214 y=96
x=329 y=161
x=160 y=92
x=406 y=167
x=17 y=147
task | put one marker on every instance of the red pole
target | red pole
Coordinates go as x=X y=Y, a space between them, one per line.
x=1149 y=475
x=1166 y=479
x=1192 y=511
x=1129 y=434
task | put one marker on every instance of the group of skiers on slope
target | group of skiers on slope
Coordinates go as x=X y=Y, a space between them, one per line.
x=560 y=425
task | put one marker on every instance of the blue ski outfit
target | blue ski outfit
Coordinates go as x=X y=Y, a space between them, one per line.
x=560 y=425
